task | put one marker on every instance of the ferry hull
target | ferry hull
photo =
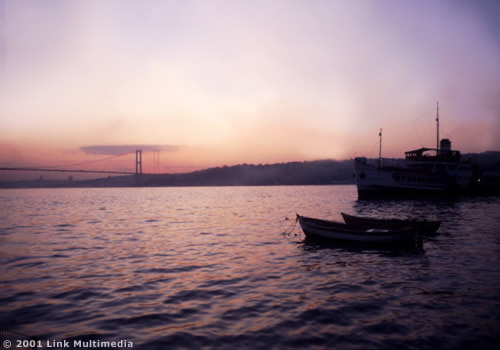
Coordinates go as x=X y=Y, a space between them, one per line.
x=401 y=180
x=395 y=193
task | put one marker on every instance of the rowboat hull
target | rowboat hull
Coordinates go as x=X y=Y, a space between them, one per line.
x=336 y=231
x=424 y=226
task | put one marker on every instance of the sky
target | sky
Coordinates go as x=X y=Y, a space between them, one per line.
x=197 y=84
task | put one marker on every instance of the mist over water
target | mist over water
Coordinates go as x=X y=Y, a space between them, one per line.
x=210 y=267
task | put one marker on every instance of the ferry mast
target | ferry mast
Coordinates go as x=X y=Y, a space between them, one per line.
x=380 y=149
x=437 y=124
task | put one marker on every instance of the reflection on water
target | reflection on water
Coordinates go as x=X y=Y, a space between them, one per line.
x=210 y=267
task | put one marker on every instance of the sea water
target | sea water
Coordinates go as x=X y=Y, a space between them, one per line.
x=211 y=267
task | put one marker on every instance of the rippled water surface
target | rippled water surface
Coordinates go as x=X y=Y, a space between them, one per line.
x=211 y=267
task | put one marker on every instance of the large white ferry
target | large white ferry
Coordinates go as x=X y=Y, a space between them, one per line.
x=423 y=171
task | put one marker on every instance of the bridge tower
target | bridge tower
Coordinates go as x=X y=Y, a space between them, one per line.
x=156 y=162
x=138 y=166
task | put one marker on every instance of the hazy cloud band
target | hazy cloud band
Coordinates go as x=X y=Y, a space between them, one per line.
x=122 y=149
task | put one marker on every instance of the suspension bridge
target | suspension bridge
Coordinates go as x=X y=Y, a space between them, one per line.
x=138 y=166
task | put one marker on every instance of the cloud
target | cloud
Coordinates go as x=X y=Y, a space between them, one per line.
x=124 y=149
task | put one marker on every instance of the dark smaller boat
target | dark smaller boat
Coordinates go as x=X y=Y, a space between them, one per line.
x=338 y=231
x=424 y=226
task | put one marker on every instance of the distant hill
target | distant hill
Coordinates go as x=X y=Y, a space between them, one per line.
x=487 y=158
x=295 y=173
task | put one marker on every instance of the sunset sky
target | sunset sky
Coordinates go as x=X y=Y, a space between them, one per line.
x=212 y=83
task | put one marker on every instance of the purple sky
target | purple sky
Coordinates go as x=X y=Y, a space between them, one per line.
x=228 y=82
